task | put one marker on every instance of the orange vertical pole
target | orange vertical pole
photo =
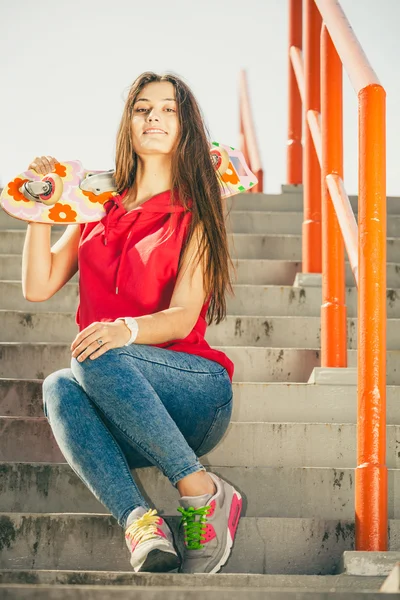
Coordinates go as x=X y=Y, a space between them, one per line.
x=311 y=246
x=333 y=310
x=294 y=145
x=248 y=142
x=243 y=143
x=371 y=473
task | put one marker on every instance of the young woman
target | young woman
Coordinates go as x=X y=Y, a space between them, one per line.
x=144 y=387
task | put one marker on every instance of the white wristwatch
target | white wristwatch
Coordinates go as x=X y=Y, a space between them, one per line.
x=133 y=326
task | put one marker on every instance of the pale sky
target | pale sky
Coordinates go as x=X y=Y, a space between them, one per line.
x=66 y=69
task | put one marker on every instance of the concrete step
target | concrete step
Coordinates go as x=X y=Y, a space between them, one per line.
x=218 y=583
x=263 y=222
x=265 y=272
x=76 y=592
x=239 y=221
x=257 y=221
x=30 y=439
x=11 y=267
x=285 y=247
x=275 y=402
x=242 y=245
x=65 y=300
x=248 y=271
x=292 y=201
x=271 y=332
x=94 y=542
x=283 y=272
x=268 y=332
x=392 y=365
x=326 y=492
x=274 y=300
x=37 y=360
x=243 y=202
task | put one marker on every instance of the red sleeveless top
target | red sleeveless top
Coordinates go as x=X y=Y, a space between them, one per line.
x=128 y=266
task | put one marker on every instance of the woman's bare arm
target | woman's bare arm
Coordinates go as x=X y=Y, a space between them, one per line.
x=46 y=269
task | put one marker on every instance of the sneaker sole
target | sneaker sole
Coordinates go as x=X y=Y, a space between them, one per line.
x=229 y=538
x=158 y=561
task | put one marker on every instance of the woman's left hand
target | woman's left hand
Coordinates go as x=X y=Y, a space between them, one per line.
x=111 y=334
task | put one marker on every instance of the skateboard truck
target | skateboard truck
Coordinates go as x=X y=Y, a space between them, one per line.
x=98 y=183
x=48 y=191
x=40 y=191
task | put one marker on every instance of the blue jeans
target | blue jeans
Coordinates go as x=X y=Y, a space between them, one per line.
x=133 y=407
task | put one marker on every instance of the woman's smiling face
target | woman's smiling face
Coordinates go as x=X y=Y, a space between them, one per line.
x=155 y=120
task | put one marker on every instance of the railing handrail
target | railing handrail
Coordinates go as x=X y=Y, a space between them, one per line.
x=296 y=56
x=249 y=145
x=346 y=218
x=348 y=47
x=329 y=223
x=339 y=197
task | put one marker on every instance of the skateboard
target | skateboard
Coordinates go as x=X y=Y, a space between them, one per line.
x=71 y=194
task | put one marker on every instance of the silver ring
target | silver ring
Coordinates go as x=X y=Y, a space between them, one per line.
x=100 y=342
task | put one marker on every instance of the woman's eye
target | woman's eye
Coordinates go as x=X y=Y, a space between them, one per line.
x=145 y=109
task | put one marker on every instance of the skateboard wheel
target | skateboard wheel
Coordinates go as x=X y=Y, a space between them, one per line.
x=220 y=159
x=55 y=191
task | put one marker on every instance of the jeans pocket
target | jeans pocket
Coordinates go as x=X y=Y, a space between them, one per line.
x=217 y=429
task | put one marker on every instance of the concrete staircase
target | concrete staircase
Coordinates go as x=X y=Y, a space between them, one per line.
x=290 y=449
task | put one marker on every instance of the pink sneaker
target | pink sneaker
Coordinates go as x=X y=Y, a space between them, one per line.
x=150 y=542
x=210 y=524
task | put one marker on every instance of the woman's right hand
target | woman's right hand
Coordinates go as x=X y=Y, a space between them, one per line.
x=43 y=164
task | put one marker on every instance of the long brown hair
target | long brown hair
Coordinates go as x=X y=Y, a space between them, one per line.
x=194 y=176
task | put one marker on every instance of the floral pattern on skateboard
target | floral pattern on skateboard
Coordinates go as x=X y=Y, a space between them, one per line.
x=74 y=206
x=73 y=197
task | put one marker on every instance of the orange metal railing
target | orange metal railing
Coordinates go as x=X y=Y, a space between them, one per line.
x=248 y=139
x=329 y=224
x=296 y=95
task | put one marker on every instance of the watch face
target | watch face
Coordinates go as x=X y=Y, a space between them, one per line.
x=130 y=321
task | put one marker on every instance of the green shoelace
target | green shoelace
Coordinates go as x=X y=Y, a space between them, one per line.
x=195 y=530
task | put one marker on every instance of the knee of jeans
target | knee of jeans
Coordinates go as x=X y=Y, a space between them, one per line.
x=98 y=363
x=93 y=370
x=55 y=390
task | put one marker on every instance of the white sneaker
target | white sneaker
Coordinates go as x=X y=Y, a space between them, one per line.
x=209 y=525
x=150 y=542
